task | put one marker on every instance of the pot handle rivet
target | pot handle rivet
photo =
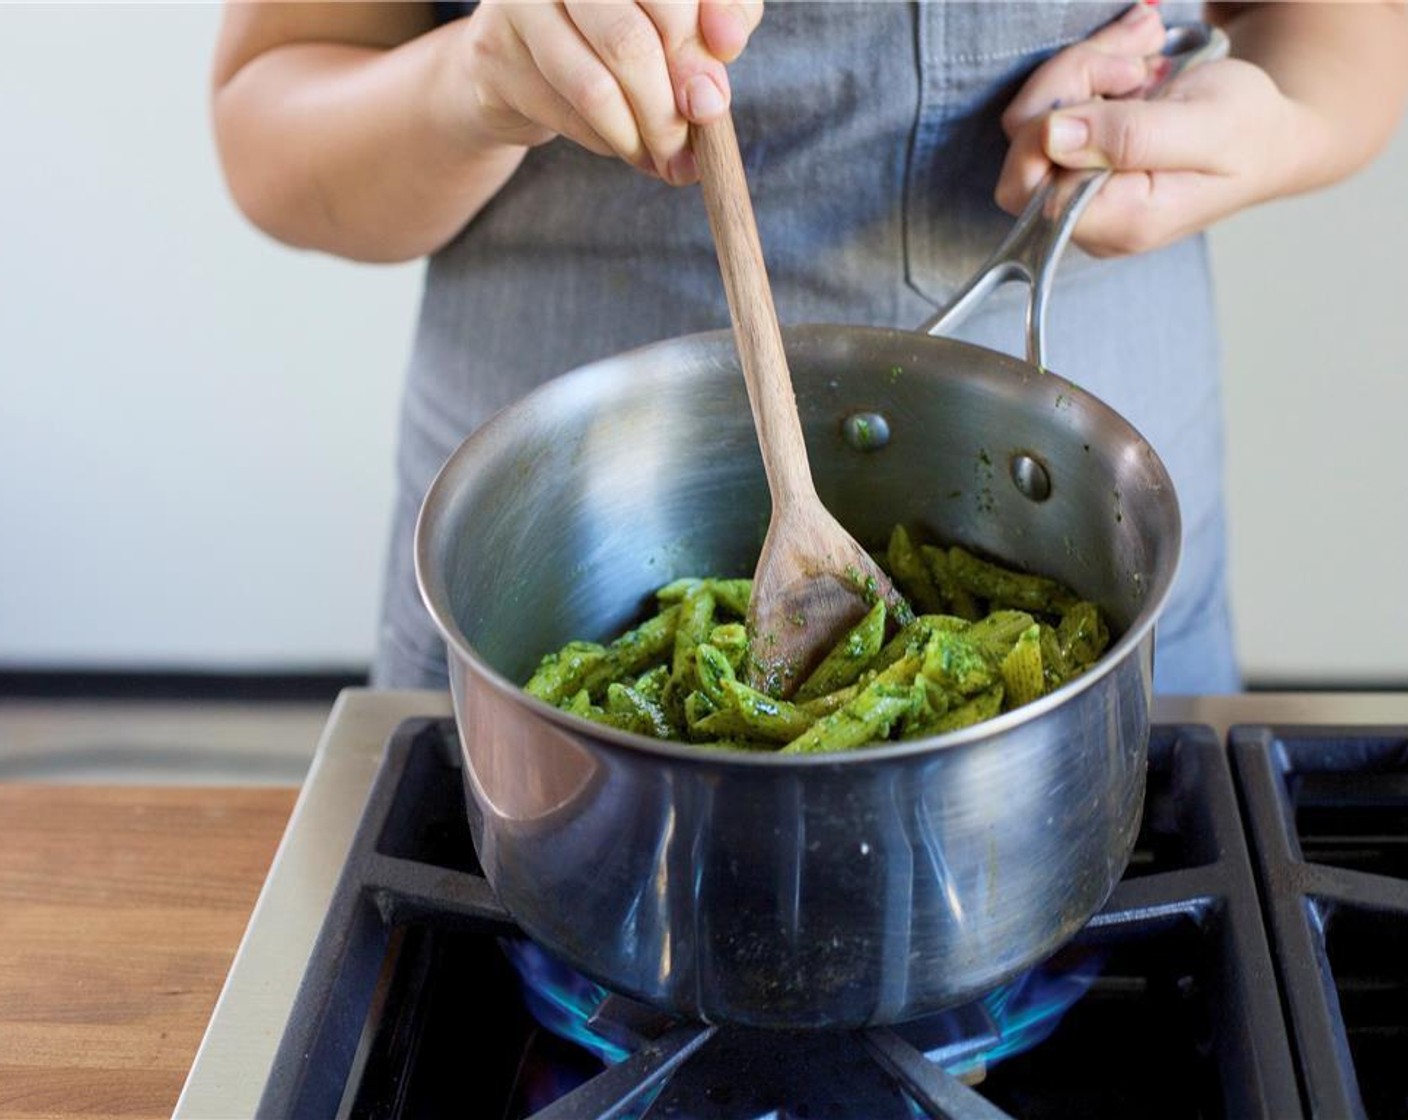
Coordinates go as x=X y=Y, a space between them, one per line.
x=865 y=431
x=1030 y=477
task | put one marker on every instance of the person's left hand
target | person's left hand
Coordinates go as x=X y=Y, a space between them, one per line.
x=1221 y=137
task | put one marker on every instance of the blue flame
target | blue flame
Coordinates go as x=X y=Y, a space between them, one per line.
x=1025 y=1011
x=562 y=1000
x=1007 y=1021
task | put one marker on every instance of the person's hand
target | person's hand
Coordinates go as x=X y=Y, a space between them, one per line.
x=1221 y=137
x=619 y=78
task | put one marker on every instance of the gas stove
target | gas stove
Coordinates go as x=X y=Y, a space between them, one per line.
x=1247 y=965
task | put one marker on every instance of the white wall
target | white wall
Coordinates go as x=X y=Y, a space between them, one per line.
x=1313 y=295
x=196 y=424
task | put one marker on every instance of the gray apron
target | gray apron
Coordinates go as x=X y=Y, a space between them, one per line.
x=871 y=139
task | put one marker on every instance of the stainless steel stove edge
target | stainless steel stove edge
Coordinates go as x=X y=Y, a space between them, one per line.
x=233 y=1062
x=1325 y=709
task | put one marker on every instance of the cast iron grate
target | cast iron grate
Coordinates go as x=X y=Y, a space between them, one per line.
x=408 y=971
x=1328 y=810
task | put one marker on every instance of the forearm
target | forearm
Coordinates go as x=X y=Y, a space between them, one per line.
x=356 y=149
x=1344 y=65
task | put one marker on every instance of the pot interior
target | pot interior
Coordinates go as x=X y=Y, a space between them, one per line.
x=559 y=518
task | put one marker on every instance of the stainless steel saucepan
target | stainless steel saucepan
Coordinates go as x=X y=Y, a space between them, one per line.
x=776 y=891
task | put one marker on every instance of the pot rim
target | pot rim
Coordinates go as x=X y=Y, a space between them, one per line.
x=435 y=598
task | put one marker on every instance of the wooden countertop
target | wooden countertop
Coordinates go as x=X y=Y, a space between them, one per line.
x=120 y=911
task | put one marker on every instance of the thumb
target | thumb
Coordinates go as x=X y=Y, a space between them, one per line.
x=696 y=53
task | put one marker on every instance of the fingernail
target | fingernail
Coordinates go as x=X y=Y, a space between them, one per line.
x=1066 y=134
x=704 y=99
x=1139 y=11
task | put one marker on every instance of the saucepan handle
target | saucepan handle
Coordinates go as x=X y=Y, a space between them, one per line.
x=1031 y=251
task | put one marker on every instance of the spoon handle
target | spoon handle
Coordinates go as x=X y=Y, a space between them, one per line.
x=751 y=309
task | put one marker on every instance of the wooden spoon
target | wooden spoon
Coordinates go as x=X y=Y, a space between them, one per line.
x=813 y=582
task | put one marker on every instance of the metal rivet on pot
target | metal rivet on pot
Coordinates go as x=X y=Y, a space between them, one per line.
x=866 y=431
x=1030 y=477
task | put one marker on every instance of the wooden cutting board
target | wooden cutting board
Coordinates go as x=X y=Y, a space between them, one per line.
x=120 y=912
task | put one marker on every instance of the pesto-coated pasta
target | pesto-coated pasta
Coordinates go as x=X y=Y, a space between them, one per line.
x=988 y=639
x=911 y=573
x=849 y=658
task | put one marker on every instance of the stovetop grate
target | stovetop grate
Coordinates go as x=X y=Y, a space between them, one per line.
x=1328 y=810
x=407 y=968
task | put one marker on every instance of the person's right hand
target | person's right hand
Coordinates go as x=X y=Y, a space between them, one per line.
x=618 y=77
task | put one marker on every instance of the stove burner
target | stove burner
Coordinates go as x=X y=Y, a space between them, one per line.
x=966 y=1041
x=1183 y=1020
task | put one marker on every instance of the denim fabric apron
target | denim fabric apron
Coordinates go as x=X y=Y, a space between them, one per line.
x=872 y=144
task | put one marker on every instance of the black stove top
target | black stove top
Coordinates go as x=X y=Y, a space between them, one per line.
x=1248 y=965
